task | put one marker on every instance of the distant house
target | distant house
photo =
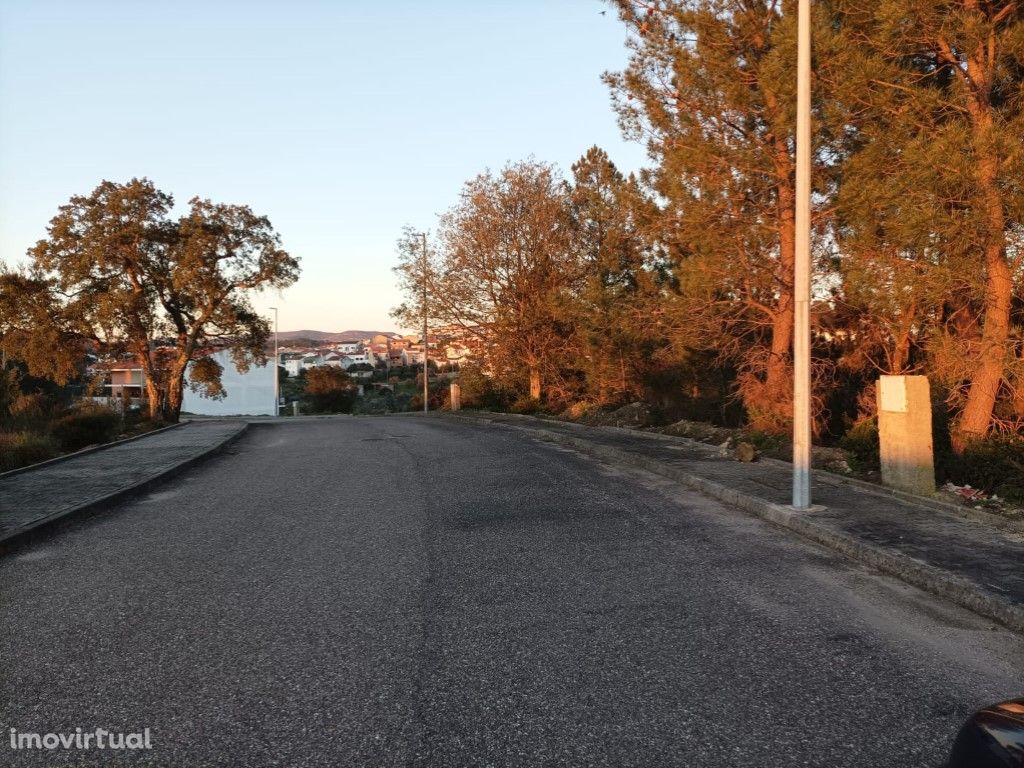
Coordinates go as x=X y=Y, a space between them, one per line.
x=349 y=347
x=128 y=382
x=413 y=355
x=356 y=358
x=124 y=383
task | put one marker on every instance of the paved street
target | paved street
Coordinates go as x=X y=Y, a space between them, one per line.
x=402 y=591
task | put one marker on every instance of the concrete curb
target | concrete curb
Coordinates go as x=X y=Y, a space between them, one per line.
x=914 y=572
x=90 y=449
x=12 y=538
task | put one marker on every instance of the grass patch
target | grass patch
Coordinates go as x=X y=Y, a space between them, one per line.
x=19 y=449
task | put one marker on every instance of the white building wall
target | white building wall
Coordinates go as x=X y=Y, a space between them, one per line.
x=248 y=394
x=356 y=359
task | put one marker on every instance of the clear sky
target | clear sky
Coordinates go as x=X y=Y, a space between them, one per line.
x=341 y=121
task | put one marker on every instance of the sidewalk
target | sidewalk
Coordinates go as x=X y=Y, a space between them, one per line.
x=971 y=563
x=35 y=497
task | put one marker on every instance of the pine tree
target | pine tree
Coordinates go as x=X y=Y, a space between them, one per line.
x=616 y=291
x=710 y=87
x=935 y=183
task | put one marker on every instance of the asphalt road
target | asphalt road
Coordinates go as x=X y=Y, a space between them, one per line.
x=402 y=591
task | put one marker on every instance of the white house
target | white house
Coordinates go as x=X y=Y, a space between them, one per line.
x=365 y=358
x=348 y=347
x=412 y=356
x=248 y=394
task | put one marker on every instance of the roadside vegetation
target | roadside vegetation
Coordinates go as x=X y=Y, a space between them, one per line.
x=117 y=275
x=593 y=290
x=40 y=421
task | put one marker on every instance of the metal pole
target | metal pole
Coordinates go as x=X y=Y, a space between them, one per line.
x=277 y=377
x=802 y=276
x=426 y=374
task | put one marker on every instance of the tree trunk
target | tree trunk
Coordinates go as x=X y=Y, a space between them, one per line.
x=976 y=417
x=153 y=394
x=778 y=376
x=153 y=397
x=900 y=354
x=175 y=395
x=534 y=381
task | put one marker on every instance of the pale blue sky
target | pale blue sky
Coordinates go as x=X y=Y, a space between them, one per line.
x=341 y=121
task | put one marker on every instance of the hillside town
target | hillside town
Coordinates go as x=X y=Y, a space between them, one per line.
x=447 y=349
x=374 y=360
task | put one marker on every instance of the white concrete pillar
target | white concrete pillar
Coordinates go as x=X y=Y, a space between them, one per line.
x=905 y=434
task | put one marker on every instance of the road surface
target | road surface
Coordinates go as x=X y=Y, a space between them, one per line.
x=414 y=592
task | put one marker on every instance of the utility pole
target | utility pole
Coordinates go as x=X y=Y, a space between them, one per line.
x=802 y=276
x=277 y=377
x=426 y=373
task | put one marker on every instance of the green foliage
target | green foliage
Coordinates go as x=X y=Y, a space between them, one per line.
x=19 y=449
x=31 y=411
x=768 y=443
x=710 y=89
x=376 y=402
x=479 y=391
x=328 y=390
x=293 y=388
x=204 y=378
x=996 y=465
x=116 y=270
x=525 y=404
x=86 y=426
x=945 y=458
x=502 y=260
x=437 y=392
x=9 y=391
x=925 y=246
x=38 y=328
x=616 y=286
x=861 y=443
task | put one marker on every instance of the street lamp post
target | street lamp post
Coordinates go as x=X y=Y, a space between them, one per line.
x=426 y=389
x=277 y=377
x=802 y=276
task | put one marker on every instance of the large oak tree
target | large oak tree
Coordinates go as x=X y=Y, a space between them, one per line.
x=116 y=270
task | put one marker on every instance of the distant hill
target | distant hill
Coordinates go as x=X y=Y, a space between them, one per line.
x=328 y=336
